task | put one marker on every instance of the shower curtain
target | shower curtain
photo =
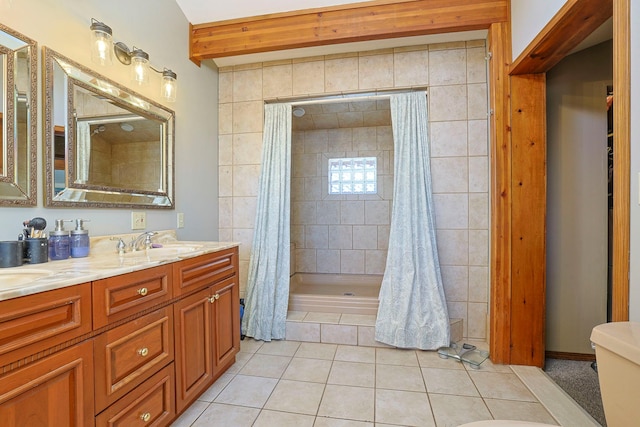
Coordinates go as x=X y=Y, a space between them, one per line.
x=83 y=152
x=267 y=296
x=413 y=311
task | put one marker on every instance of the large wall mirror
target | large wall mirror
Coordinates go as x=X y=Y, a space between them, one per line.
x=18 y=131
x=105 y=145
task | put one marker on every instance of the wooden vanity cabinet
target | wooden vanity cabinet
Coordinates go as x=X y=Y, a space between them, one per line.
x=45 y=386
x=207 y=330
x=128 y=350
x=54 y=391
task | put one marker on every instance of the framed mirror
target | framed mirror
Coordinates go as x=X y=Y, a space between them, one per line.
x=18 y=109
x=105 y=145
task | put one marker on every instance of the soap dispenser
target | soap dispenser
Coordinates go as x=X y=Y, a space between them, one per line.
x=59 y=241
x=80 y=240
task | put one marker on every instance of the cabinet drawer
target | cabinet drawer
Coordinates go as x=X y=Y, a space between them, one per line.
x=195 y=273
x=121 y=296
x=150 y=404
x=129 y=354
x=33 y=323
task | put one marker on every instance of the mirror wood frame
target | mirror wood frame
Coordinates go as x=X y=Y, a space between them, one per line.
x=98 y=196
x=17 y=194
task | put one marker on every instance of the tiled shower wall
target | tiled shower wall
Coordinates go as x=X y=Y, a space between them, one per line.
x=336 y=233
x=455 y=74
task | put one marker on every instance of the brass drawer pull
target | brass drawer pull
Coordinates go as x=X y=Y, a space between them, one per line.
x=213 y=298
x=145 y=417
x=143 y=291
x=143 y=352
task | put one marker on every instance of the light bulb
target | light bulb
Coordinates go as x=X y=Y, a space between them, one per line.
x=140 y=67
x=168 y=86
x=101 y=44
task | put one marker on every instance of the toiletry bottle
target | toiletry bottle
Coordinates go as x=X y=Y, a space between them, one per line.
x=80 y=240
x=59 y=242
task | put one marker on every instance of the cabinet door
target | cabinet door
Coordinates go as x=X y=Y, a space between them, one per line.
x=194 y=347
x=54 y=391
x=226 y=322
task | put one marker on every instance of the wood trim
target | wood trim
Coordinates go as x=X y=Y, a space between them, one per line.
x=499 y=45
x=621 y=158
x=528 y=218
x=314 y=27
x=572 y=24
x=571 y=356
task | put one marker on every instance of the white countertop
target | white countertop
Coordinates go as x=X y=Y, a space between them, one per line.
x=101 y=263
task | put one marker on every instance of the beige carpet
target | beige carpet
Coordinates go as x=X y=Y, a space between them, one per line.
x=580 y=381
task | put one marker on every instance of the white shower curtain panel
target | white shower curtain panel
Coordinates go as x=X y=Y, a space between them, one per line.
x=413 y=311
x=83 y=152
x=267 y=294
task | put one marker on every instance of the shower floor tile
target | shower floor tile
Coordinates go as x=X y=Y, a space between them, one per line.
x=327 y=385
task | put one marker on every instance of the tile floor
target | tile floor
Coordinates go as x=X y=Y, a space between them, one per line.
x=291 y=383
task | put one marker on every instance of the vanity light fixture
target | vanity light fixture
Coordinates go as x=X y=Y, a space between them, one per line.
x=103 y=48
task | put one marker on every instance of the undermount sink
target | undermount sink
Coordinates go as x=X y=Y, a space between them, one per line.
x=10 y=278
x=171 y=250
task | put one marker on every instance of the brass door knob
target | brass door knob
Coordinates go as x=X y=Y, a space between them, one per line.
x=143 y=291
x=143 y=352
x=145 y=417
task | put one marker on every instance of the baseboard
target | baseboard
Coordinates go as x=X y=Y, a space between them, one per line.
x=570 y=356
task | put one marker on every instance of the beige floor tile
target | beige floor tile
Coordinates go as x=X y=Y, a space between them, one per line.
x=296 y=315
x=247 y=391
x=350 y=353
x=191 y=414
x=227 y=415
x=353 y=403
x=249 y=345
x=279 y=348
x=335 y=422
x=300 y=331
x=407 y=378
x=283 y=419
x=430 y=359
x=396 y=356
x=312 y=350
x=322 y=317
x=449 y=381
x=266 y=365
x=497 y=385
x=296 y=397
x=521 y=411
x=212 y=392
x=352 y=374
x=358 y=319
x=451 y=410
x=312 y=370
x=241 y=360
x=403 y=408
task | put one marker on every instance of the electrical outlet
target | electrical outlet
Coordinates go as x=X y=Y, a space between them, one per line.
x=180 y=220
x=138 y=220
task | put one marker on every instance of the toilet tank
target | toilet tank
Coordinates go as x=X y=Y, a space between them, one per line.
x=618 y=355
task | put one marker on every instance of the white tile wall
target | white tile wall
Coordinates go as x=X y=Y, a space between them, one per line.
x=350 y=234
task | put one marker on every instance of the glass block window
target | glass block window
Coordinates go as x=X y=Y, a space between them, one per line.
x=353 y=175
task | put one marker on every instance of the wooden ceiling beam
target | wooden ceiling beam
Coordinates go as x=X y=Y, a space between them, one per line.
x=354 y=22
x=571 y=25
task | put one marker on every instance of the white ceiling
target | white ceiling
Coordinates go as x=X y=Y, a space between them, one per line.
x=202 y=11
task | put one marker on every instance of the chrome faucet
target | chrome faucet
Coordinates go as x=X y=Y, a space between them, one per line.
x=143 y=241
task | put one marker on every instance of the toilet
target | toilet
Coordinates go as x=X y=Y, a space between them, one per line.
x=617 y=347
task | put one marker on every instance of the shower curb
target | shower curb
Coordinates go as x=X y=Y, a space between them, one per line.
x=347 y=329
